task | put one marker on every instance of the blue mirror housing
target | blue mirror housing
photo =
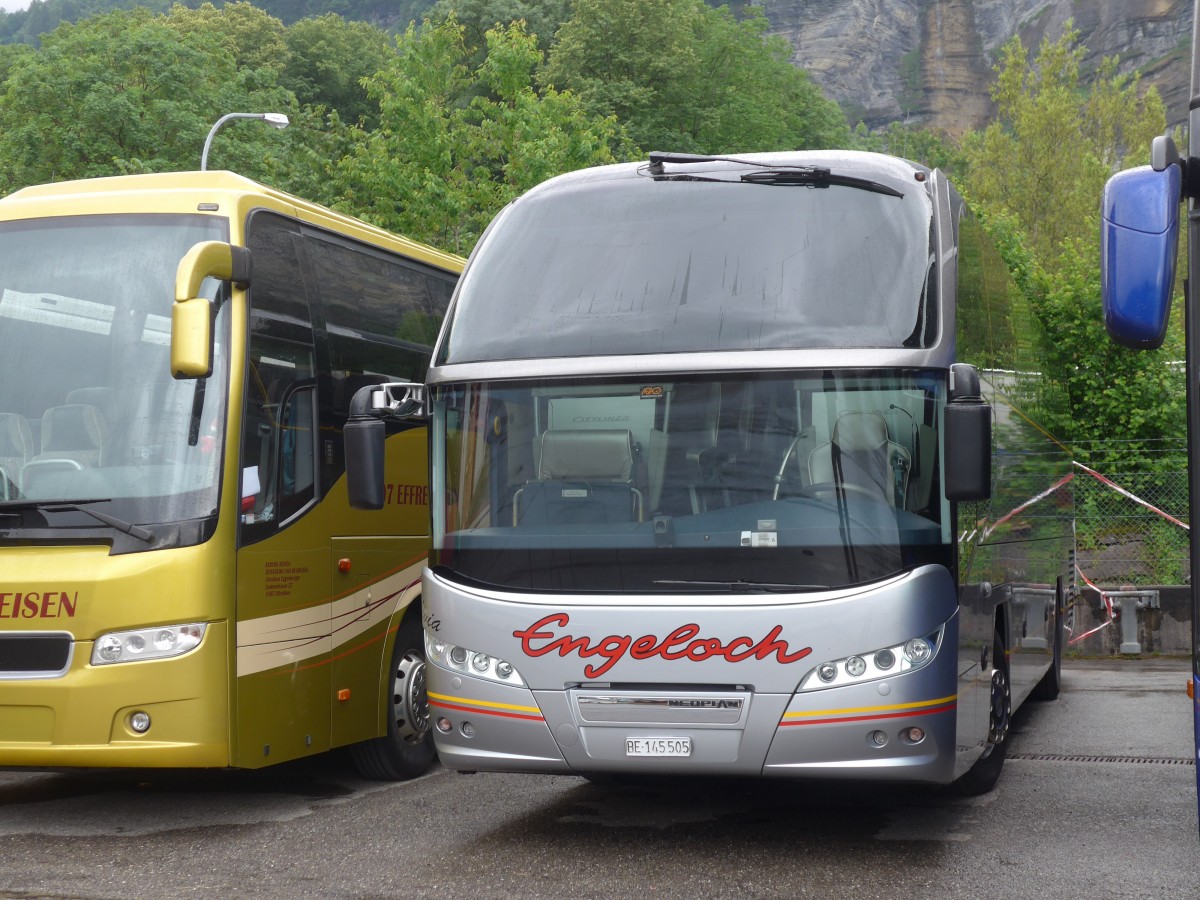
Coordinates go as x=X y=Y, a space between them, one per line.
x=1139 y=237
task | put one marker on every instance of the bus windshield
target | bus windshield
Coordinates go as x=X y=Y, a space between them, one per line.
x=88 y=409
x=697 y=265
x=803 y=481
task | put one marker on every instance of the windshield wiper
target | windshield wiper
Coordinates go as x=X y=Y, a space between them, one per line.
x=817 y=176
x=743 y=587
x=80 y=506
x=780 y=174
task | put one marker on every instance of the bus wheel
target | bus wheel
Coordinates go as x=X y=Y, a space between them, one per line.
x=982 y=777
x=407 y=749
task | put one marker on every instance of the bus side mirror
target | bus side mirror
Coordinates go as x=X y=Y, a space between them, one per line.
x=967 y=438
x=192 y=315
x=1139 y=236
x=364 y=435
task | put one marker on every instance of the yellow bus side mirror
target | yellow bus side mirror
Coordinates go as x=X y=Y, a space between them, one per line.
x=191 y=338
x=192 y=315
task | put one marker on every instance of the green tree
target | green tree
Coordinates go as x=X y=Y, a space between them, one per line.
x=328 y=61
x=938 y=151
x=126 y=92
x=255 y=39
x=1122 y=404
x=681 y=75
x=478 y=17
x=456 y=143
x=1037 y=173
x=1054 y=143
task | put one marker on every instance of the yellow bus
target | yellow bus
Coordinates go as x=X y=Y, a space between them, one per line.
x=182 y=580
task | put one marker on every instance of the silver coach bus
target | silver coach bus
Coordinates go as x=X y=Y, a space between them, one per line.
x=736 y=470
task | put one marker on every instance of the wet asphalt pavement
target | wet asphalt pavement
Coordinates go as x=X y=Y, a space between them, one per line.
x=1098 y=800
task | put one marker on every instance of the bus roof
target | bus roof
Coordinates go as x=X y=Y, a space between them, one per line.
x=205 y=192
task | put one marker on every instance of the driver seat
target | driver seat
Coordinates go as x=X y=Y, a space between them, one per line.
x=860 y=453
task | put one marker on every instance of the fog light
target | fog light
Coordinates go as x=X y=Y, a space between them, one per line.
x=140 y=722
x=856 y=665
x=468 y=730
x=444 y=725
x=913 y=735
x=878 y=738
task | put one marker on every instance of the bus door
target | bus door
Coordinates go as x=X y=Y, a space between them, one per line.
x=282 y=702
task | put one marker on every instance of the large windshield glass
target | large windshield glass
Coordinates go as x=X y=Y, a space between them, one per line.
x=697 y=265
x=805 y=481
x=88 y=408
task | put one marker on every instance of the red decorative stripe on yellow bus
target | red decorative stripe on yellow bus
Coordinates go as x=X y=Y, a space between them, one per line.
x=870 y=713
x=486 y=707
x=375 y=579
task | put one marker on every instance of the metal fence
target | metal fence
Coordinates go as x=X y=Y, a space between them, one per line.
x=1123 y=543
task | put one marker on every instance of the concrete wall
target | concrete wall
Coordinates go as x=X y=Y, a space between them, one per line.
x=1162 y=631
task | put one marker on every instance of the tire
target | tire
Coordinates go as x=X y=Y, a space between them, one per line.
x=982 y=776
x=1051 y=684
x=407 y=749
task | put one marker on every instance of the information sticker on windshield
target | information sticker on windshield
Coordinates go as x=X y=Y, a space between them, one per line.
x=652 y=391
x=760 y=539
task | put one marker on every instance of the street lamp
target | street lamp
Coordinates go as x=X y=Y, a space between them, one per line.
x=275 y=120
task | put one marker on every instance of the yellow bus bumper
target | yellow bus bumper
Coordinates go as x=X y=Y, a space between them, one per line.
x=83 y=717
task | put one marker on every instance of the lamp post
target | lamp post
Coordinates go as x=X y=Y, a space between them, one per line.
x=275 y=120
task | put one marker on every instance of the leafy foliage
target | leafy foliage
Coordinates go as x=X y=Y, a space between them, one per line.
x=455 y=143
x=1122 y=404
x=125 y=92
x=1053 y=145
x=683 y=76
x=1038 y=171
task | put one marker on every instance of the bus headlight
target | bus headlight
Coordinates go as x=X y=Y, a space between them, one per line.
x=160 y=642
x=469 y=662
x=895 y=660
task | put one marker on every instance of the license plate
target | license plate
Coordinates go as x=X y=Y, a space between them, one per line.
x=661 y=746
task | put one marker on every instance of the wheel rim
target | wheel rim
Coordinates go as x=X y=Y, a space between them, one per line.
x=410 y=702
x=999 y=719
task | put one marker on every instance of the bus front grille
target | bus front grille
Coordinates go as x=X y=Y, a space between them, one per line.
x=34 y=655
x=660 y=708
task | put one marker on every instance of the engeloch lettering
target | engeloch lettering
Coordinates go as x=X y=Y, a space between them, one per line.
x=37 y=604
x=682 y=643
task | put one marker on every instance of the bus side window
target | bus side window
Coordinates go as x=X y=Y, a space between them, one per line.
x=278 y=437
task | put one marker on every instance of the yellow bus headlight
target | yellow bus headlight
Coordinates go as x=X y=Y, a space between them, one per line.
x=160 y=642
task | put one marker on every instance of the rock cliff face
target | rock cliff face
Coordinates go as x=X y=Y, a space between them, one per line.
x=929 y=62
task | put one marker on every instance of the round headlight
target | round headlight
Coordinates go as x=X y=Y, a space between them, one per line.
x=135 y=643
x=885 y=659
x=458 y=656
x=856 y=665
x=164 y=640
x=918 y=651
x=108 y=648
x=481 y=662
x=504 y=669
x=827 y=671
